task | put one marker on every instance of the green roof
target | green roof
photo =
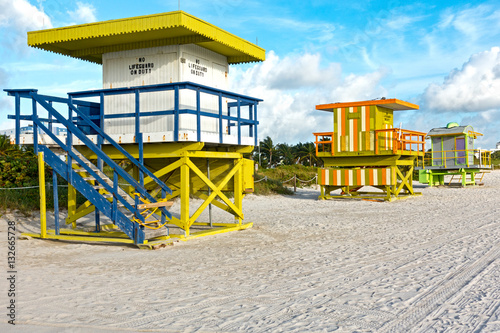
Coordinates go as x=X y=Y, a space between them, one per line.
x=89 y=41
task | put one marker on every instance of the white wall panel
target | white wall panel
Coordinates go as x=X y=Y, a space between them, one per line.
x=167 y=64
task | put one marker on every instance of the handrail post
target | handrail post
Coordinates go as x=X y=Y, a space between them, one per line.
x=316 y=143
x=239 y=121
x=163 y=216
x=69 y=141
x=35 y=126
x=220 y=118
x=140 y=139
x=176 y=113
x=250 y=116
x=137 y=113
x=56 y=203
x=138 y=216
x=115 y=194
x=198 y=115
x=100 y=164
x=228 y=119
x=255 y=120
x=50 y=119
x=18 y=118
x=100 y=139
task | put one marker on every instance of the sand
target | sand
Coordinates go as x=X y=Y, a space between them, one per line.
x=424 y=264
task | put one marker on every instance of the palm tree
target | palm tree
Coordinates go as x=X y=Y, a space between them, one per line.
x=6 y=148
x=268 y=148
x=307 y=152
x=286 y=154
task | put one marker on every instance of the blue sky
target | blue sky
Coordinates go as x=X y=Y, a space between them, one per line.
x=441 y=55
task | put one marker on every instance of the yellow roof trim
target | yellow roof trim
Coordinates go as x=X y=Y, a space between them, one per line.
x=90 y=41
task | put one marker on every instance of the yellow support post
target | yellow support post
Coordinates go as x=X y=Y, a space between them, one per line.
x=71 y=205
x=238 y=190
x=185 y=196
x=43 y=206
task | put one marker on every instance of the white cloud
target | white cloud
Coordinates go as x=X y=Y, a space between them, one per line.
x=290 y=72
x=473 y=88
x=362 y=87
x=6 y=105
x=22 y=16
x=84 y=13
x=17 y=17
x=477 y=21
x=292 y=86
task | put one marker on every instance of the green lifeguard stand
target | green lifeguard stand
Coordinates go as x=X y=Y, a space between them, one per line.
x=453 y=153
x=365 y=149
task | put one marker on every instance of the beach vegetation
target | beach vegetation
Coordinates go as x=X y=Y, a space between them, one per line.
x=269 y=154
x=19 y=182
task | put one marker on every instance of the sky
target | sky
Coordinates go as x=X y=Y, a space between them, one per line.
x=442 y=55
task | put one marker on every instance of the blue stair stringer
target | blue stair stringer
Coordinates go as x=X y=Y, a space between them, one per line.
x=66 y=170
x=98 y=200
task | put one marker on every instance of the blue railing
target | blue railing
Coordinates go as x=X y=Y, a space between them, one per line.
x=238 y=102
x=72 y=130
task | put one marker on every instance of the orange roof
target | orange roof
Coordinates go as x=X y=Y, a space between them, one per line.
x=393 y=103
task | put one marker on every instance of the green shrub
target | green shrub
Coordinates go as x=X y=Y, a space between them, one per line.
x=271 y=186
x=276 y=177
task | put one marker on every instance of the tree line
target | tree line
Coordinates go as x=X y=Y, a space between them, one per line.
x=269 y=154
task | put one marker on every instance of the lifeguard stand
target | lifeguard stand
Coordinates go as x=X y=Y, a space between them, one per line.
x=163 y=126
x=453 y=154
x=365 y=149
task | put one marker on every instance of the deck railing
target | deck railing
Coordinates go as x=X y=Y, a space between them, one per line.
x=238 y=112
x=458 y=158
x=223 y=113
x=395 y=139
x=399 y=140
x=324 y=142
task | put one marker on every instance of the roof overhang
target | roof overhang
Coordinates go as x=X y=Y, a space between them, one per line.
x=89 y=41
x=393 y=104
x=454 y=131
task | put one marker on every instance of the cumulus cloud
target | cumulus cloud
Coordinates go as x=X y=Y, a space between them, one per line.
x=22 y=16
x=17 y=18
x=5 y=103
x=292 y=86
x=473 y=88
x=290 y=72
x=84 y=13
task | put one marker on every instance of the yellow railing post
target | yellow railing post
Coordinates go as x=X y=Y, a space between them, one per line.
x=238 y=191
x=43 y=205
x=185 y=196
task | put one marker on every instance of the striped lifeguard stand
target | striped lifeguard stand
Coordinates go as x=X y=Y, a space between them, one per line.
x=365 y=149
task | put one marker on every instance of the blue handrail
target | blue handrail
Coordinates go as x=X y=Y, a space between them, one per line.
x=73 y=130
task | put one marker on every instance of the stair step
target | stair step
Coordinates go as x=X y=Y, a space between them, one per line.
x=131 y=202
x=89 y=178
x=155 y=204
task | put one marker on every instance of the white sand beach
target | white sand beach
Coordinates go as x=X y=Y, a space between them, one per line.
x=423 y=264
